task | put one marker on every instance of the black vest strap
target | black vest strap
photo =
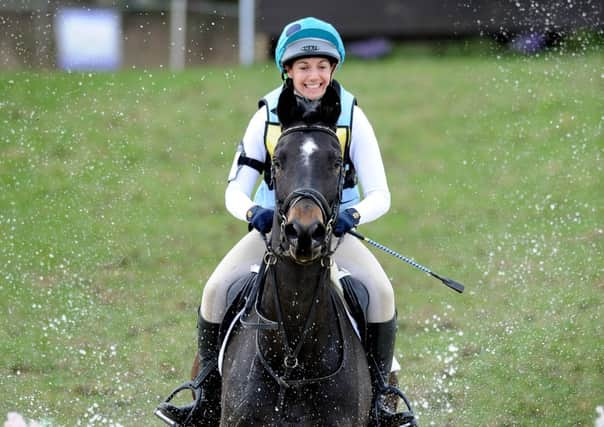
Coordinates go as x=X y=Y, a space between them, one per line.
x=253 y=163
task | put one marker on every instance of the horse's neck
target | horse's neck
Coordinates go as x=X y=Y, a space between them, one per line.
x=296 y=288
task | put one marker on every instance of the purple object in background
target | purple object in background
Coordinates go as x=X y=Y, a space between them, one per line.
x=528 y=43
x=370 y=48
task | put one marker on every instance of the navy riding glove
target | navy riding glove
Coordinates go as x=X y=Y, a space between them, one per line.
x=260 y=218
x=347 y=220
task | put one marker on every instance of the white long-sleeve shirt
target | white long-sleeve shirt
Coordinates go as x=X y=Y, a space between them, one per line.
x=364 y=154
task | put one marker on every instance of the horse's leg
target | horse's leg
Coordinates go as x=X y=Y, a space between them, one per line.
x=391 y=399
x=195 y=369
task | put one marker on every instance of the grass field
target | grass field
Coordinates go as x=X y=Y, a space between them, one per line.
x=112 y=217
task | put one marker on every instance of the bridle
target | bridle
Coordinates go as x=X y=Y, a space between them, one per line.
x=329 y=211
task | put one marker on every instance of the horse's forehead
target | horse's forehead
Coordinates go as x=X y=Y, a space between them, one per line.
x=307 y=148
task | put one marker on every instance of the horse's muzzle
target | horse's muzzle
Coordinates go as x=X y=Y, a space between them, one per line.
x=305 y=231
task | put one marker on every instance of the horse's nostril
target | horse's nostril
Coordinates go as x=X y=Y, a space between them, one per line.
x=296 y=231
x=290 y=231
x=318 y=234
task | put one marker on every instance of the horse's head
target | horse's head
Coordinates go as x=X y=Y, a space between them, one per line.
x=307 y=173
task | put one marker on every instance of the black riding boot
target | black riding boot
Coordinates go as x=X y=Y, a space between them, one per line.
x=206 y=387
x=380 y=350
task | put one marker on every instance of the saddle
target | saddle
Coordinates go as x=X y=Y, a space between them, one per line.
x=354 y=293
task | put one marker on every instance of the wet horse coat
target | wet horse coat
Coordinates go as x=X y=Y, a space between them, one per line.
x=298 y=361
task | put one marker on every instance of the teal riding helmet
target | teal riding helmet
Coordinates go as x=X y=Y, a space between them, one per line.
x=309 y=37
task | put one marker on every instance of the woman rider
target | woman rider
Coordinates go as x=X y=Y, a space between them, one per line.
x=308 y=53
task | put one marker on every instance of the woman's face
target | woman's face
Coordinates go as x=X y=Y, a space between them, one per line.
x=311 y=76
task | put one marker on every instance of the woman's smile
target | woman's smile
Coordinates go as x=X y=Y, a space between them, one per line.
x=311 y=76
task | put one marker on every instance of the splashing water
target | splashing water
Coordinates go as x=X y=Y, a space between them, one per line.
x=14 y=419
x=600 y=420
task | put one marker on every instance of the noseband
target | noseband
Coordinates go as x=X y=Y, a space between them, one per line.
x=295 y=196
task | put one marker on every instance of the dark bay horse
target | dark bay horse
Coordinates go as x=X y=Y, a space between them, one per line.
x=293 y=357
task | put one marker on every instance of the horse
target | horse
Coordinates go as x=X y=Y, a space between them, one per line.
x=293 y=357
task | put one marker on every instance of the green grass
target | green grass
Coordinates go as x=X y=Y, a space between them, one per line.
x=112 y=217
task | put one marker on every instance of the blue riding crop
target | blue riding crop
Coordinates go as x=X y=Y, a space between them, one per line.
x=456 y=286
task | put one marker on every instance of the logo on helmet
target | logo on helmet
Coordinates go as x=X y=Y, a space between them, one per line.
x=310 y=48
x=293 y=29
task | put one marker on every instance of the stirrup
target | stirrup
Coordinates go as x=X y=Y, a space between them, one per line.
x=189 y=385
x=195 y=387
x=385 y=417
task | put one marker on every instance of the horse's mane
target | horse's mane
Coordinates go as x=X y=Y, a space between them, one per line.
x=296 y=110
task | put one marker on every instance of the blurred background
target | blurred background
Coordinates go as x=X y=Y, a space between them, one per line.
x=114 y=34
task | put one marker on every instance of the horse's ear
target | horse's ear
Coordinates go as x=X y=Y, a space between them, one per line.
x=287 y=107
x=330 y=106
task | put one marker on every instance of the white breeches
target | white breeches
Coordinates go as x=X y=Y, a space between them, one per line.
x=351 y=255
